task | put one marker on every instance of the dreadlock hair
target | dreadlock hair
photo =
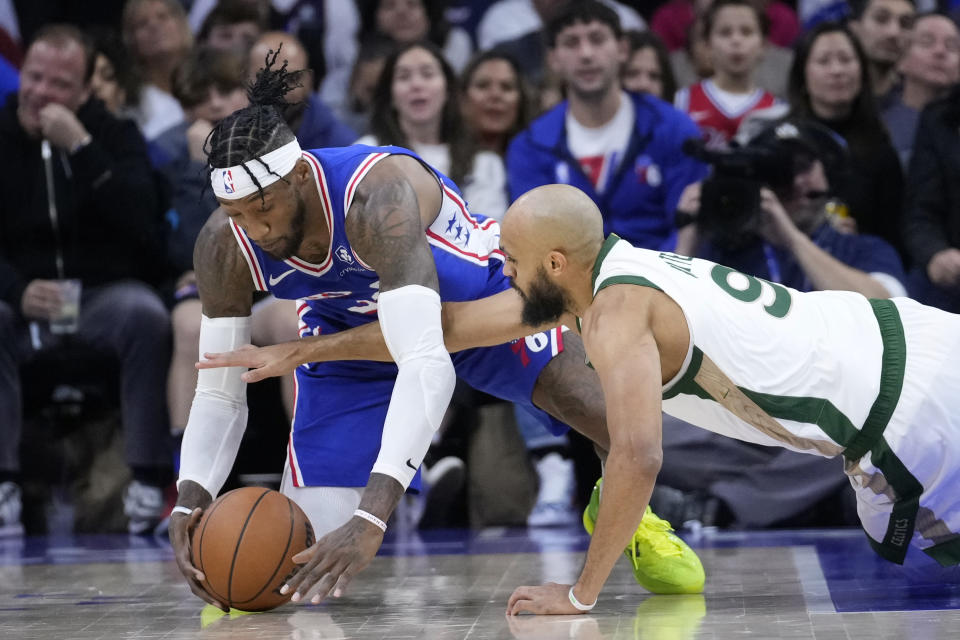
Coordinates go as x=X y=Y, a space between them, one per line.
x=249 y=133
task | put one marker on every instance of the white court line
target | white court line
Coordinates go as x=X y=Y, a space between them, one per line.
x=814 y=584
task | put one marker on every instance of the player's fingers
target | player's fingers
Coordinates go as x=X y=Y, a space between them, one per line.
x=308 y=575
x=520 y=593
x=204 y=595
x=258 y=374
x=341 y=587
x=324 y=587
x=523 y=605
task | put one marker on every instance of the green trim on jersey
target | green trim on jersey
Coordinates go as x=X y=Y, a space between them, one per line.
x=605 y=248
x=856 y=442
x=637 y=280
x=946 y=553
x=686 y=383
x=891 y=379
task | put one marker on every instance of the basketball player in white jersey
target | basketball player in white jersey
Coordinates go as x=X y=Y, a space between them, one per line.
x=827 y=373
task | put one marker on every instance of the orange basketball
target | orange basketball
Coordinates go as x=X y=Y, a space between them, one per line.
x=244 y=545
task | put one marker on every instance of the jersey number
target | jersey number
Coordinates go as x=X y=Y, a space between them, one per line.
x=781 y=300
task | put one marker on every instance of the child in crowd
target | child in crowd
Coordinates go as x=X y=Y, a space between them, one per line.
x=735 y=32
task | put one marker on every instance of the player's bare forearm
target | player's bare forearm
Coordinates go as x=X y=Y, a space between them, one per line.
x=627 y=485
x=381 y=496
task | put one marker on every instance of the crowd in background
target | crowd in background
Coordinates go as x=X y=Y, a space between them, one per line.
x=106 y=108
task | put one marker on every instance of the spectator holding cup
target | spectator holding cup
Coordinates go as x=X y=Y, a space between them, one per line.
x=81 y=204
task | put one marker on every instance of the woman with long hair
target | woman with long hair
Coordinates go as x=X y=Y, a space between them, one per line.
x=830 y=83
x=496 y=102
x=416 y=107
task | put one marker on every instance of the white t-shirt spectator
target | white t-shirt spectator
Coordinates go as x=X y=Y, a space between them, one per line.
x=486 y=186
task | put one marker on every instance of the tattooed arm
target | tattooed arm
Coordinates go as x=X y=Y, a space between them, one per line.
x=385 y=223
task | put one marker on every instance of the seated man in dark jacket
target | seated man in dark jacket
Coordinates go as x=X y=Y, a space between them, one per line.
x=80 y=202
x=790 y=240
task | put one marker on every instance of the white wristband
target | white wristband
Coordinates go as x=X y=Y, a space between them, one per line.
x=579 y=606
x=181 y=509
x=369 y=517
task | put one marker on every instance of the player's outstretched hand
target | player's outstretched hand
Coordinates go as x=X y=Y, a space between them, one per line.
x=331 y=563
x=181 y=528
x=550 y=598
x=263 y=362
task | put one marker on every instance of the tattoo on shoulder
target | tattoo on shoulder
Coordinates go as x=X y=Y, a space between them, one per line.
x=223 y=277
x=385 y=229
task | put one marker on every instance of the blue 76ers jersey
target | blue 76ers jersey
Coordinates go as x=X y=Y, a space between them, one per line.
x=341 y=406
x=341 y=291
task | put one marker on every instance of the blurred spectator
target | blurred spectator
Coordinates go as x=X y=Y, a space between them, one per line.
x=355 y=110
x=496 y=104
x=328 y=30
x=115 y=80
x=510 y=19
x=86 y=199
x=830 y=83
x=312 y=121
x=233 y=24
x=694 y=61
x=210 y=85
x=882 y=26
x=648 y=66
x=416 y=105
x=672 y=21
x=790 y=241
x=157 y=35
x=932 y=212
x=530 y=52
x=735 y=31
x=622 y=149
x=409 y=21
x=930 y=66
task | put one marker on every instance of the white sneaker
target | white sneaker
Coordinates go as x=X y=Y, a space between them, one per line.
x=554 y=507
x=10 y=506
x=144 y=506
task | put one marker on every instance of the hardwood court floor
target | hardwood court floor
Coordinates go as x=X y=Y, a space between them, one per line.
x=454 y=585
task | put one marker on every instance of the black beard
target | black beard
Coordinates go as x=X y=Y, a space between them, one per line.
x=293 y=240
x=545 y=303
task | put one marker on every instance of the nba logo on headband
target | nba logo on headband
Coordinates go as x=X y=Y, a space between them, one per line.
x=227 y=181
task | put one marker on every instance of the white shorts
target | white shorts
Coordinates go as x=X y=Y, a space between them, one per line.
x=326 y=507
x=907 y=484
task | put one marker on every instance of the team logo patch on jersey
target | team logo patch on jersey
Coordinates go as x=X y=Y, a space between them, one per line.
x=647 y=171
x=227 y=181
x=344 y=254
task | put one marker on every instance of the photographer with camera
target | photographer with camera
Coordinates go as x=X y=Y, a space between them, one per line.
x=767 y=210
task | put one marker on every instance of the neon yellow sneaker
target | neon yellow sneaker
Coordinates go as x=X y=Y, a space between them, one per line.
x=662 y=562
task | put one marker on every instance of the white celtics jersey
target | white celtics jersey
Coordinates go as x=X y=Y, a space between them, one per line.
x=766 y=363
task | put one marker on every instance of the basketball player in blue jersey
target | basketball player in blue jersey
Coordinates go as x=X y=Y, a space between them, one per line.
x=361 y=236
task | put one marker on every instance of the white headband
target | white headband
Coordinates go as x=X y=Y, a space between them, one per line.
x=233 y=183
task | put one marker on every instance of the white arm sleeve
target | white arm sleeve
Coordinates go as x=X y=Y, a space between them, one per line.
x=410 y=321
x=218 y=416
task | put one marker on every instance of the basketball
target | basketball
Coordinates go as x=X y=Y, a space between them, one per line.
x=244 y=545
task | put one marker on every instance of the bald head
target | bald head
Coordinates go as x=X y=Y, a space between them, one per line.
x=556 y=217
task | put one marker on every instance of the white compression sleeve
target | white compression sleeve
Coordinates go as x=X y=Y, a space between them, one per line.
x=218 y=416
x=410 y=321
